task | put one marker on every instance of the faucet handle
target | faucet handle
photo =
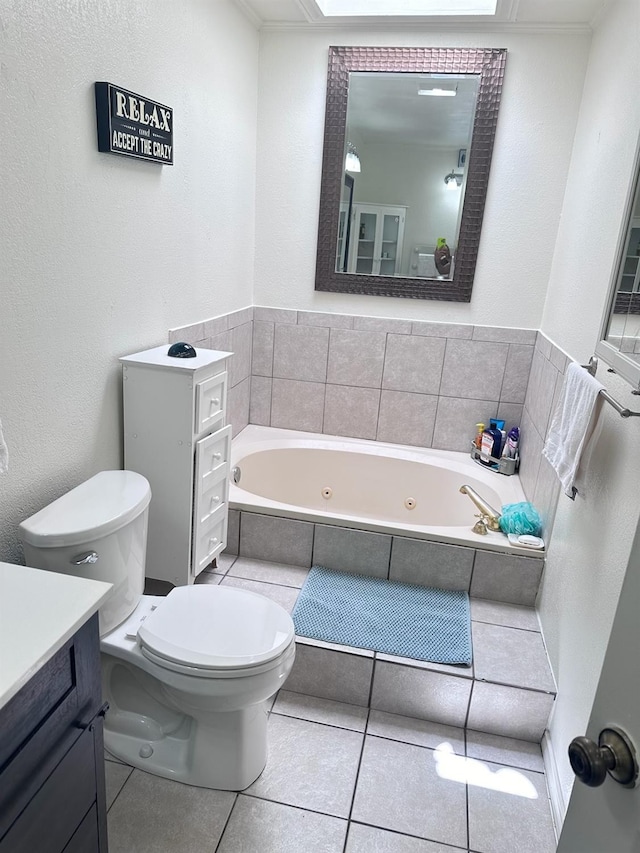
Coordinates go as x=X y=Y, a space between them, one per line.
x=481 y=525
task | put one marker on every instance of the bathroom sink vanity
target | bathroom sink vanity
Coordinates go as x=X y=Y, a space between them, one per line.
x=52 y=788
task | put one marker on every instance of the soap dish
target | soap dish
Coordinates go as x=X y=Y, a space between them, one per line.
x=526 y=541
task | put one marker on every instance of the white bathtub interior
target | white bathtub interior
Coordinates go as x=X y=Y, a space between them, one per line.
x=367 y=484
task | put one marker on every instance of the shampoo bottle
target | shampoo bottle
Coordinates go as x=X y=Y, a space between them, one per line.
x=491 y=444
x=511 y=446
x=498 y=424
x=478 y=439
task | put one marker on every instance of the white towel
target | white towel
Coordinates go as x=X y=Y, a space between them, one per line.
x=574 y=427
x=4 y=453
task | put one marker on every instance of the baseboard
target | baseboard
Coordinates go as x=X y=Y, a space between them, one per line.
x=554 y=787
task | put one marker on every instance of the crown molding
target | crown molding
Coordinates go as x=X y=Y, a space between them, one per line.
x=398 y=25
x=250 y=13
x=600 y=14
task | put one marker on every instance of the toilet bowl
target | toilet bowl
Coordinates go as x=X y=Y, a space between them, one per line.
x=187 y=676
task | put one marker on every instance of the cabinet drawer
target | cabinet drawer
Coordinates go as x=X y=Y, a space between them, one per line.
x=49 y=696
x=210 y=402
x=51 y=817
x=44 y=720
x=209 y=538
x=211 y=494
x=86 y=837
x=212 y=460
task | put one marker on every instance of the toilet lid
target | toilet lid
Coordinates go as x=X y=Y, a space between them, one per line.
x=217 y=627
x=95 y=508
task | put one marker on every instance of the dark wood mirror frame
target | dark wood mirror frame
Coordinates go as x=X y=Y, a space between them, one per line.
x=489 y=65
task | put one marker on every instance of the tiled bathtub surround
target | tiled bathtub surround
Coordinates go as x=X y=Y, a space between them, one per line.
x=508 y=691
x=397 y=381
x=484 y=574
x=229 y=333
x=538 y=479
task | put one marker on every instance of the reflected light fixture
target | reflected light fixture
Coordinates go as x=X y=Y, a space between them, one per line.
x=352 y=161
x=437 y=92
x=453 y=180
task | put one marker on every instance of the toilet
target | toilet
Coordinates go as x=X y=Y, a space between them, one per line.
x=187 y=676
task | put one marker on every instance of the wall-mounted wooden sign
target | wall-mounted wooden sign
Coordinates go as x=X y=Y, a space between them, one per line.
x=132 y=125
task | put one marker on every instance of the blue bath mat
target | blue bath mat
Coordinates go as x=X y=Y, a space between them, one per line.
x=385 y=616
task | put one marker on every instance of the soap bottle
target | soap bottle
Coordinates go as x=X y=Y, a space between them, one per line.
x=511 y=446
x=491 y=445
x=478 y=439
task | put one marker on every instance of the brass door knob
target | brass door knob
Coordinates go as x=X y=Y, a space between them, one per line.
x=613 y=754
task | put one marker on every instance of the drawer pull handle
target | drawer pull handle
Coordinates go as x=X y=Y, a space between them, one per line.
x=217 y=456
x=213 y=541
x=215 y=401
x=82 y=724
x=215 y=499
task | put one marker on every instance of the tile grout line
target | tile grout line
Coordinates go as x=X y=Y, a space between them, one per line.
x=265 y=799
x=465 y=737
x=226 y=823
x=373 y=672
x=131 y=769
x=504 y=373
x=355 y=783
x=384 y=360
x=466 y=785
x=444 y=358
x=318 y=722
x=453 y=847
x=256 y=580
x=326 y=382
x=313 y=531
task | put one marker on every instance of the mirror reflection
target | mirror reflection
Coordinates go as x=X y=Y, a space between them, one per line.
x=623 y=331
x=389 y=223
x=406 y=145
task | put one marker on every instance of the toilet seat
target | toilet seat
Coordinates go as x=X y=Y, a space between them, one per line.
x=213 y=630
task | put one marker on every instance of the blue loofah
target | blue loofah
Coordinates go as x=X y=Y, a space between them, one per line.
x=521 y=518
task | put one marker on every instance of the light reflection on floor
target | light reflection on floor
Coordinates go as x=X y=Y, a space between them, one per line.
x=470 y=771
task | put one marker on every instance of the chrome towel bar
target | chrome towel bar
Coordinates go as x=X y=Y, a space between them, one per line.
x=620 y=409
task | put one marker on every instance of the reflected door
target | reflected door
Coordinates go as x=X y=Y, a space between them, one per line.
x=344 y=224
x=342 y=237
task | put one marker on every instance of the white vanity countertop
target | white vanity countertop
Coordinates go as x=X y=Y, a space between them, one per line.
x=39 y=612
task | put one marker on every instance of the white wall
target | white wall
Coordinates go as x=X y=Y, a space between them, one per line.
x=412 y=176
x=592 y=537
x=540 y=101
x=100 y=255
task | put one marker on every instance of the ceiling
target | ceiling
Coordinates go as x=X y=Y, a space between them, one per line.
x=387 y=108
x=510 y=14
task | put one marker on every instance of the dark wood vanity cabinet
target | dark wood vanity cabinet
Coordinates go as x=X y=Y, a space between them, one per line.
x=52 y=788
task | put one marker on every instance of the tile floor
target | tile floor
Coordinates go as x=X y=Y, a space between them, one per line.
x=509 y=690
x=343 y=778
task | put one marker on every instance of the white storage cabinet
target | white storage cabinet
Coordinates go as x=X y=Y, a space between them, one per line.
x=175 y=435
x=377 y=235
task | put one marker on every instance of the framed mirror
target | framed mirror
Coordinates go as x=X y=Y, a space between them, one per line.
x=620 y=337
x=408 y=140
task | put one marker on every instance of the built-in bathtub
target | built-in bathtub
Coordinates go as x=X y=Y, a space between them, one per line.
x=281 y=512
x=368 y=485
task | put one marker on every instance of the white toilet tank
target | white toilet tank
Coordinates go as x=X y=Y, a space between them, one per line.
x=97 y=530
